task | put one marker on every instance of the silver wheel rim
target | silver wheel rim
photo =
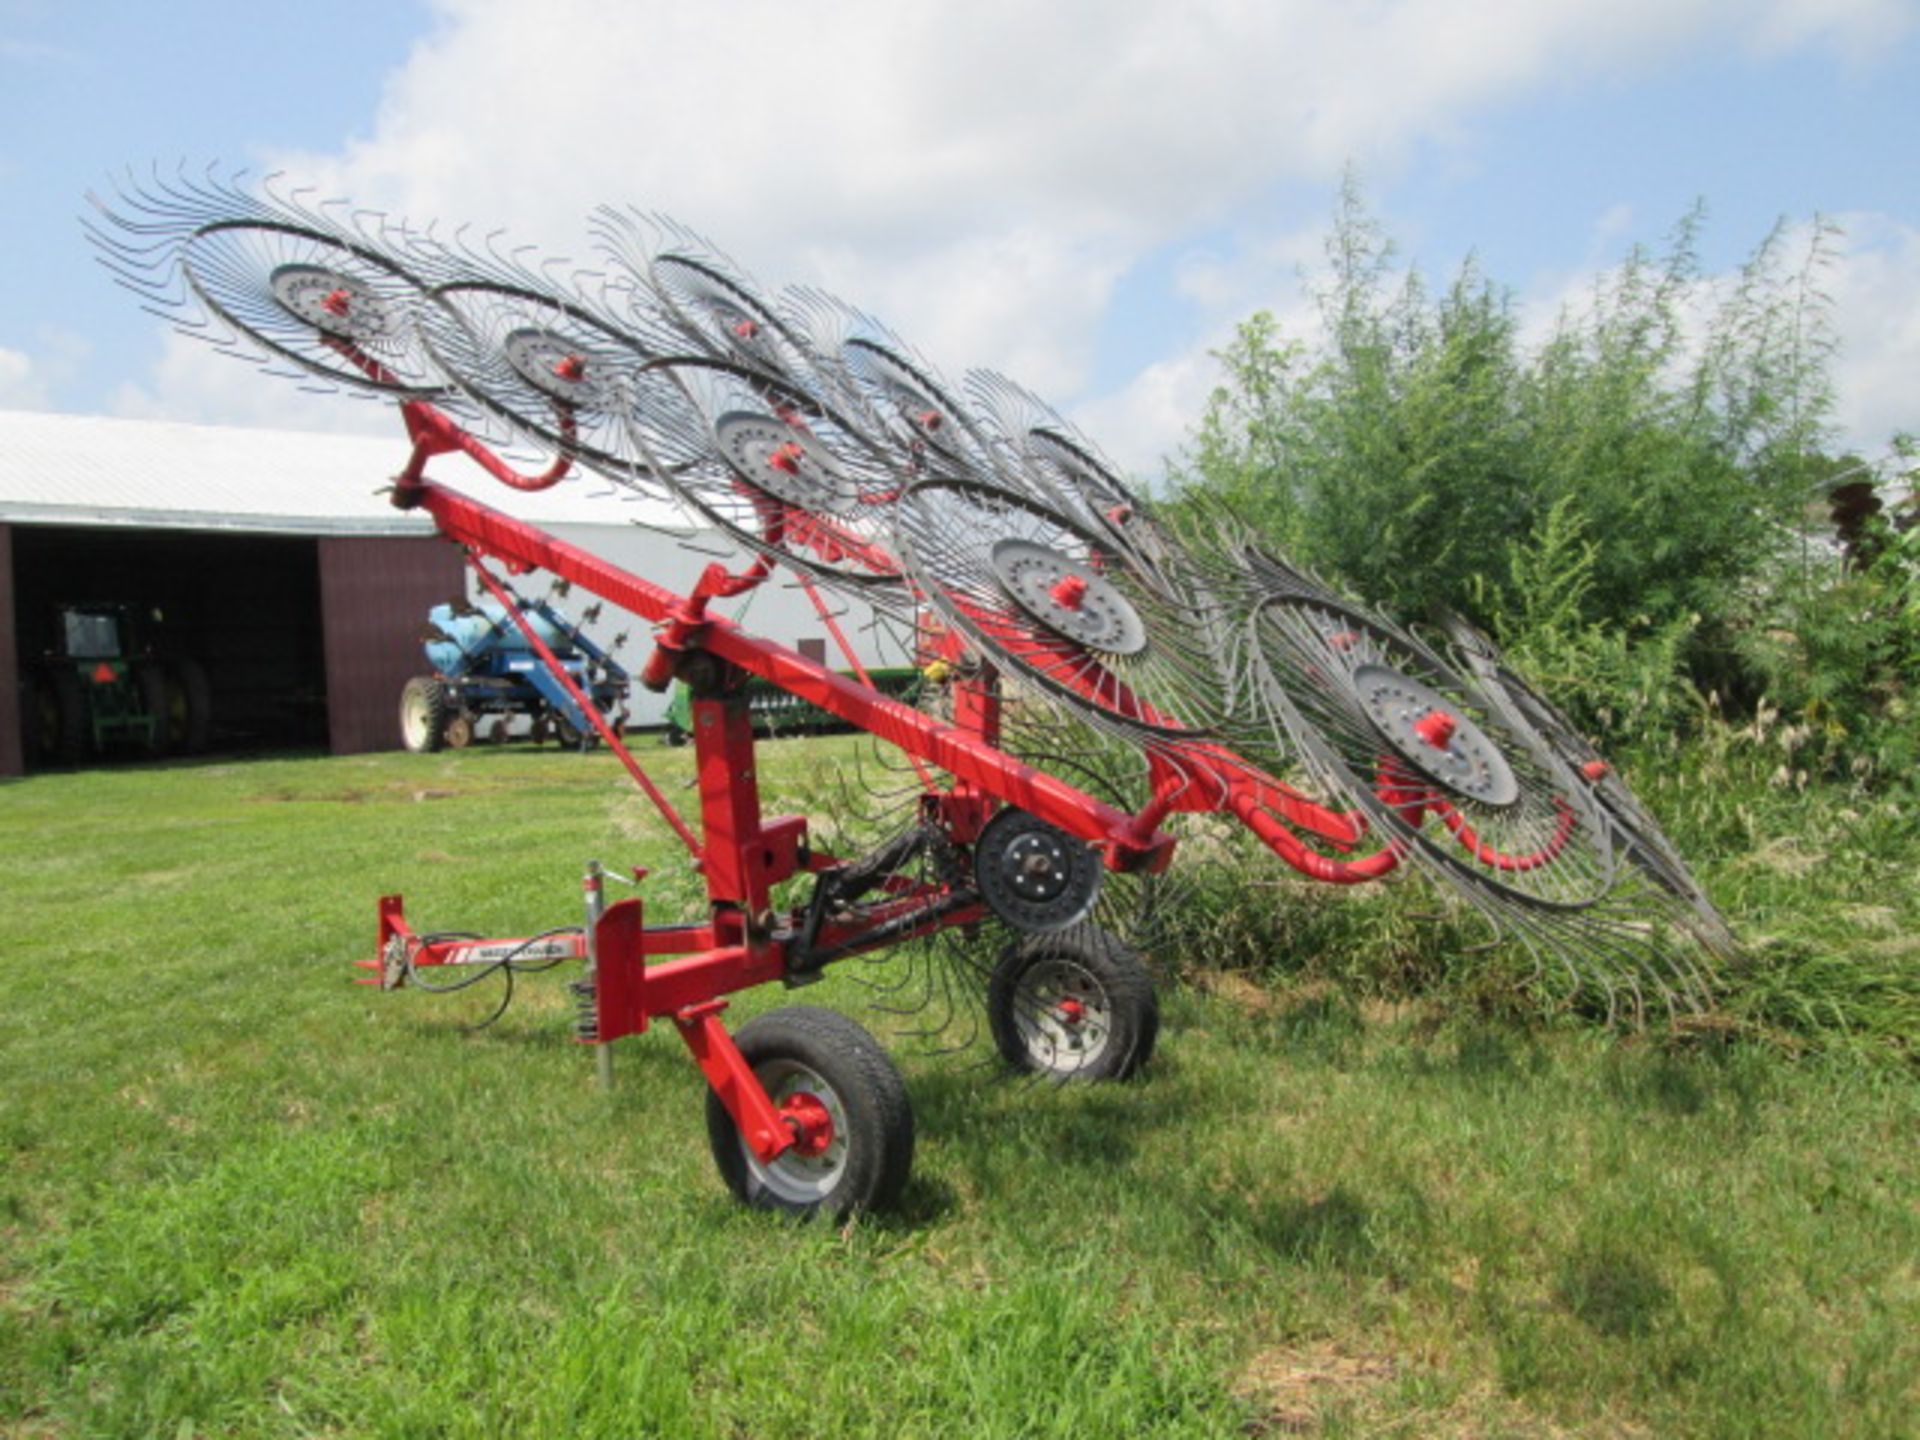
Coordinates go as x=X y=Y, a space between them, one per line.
x=1054 y=1036
x=791 y=1177
x=415 y=720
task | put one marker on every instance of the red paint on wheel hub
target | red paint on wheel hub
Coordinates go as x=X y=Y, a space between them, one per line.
x=337 y=302
x=1069 y=591
x=1072 y=1012
x=810 y=1121
x=1436 y=727
x=787 y=457
x=570 y=367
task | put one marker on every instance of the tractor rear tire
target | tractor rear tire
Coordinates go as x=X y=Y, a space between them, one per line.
x=189 y=707
x=1073 y=1004
x=151 y=683
x=424 y=713
x=804 y=1053
x=39 y=720
x=71 y=737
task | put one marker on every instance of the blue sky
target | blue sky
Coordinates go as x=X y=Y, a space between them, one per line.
x=1087 y=197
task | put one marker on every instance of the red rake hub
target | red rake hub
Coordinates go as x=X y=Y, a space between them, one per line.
x=810 y=1121
x=788 y=457
x=571 y=367
x=1072 y=1012
x=335 y=304
x=1430 y=731
x=1436 y=727
x=1068 y=597
x=1070 y=593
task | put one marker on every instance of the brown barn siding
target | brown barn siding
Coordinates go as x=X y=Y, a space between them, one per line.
x=374 y=598
x=12 y=761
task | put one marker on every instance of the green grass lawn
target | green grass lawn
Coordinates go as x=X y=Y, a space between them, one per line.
x=241 y=1196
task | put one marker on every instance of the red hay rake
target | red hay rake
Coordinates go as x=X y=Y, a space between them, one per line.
x=1098 y=670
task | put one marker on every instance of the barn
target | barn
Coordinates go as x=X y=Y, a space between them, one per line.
x=273 y=563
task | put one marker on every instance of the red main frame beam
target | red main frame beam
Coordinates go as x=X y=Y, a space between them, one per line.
x=525 y=547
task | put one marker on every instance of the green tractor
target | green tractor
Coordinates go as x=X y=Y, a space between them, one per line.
x=102 y=687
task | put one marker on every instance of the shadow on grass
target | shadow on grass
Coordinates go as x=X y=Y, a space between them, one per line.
x=1612 y=1291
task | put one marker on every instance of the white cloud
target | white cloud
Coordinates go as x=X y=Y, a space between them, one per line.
x=198 y=384
x=33 y=380
x=980 y=176
x=1876 y=300
x=960 y=152
x=19 y=386
x=1856 y=28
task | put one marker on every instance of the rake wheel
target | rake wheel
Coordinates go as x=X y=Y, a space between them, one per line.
x=337 y=308
x=1060 y=607
x=1642 y=840
x=548 y=366
x=781 y=474
x=1426 y=758
x=723 y=315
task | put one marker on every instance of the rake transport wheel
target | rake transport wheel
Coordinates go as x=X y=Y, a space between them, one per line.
x=1076 y=1004
x=845 y=1100
x=425 y=712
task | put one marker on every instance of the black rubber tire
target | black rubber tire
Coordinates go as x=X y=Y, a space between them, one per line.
x=189 y=707
x=784 y=1047
x=567 y=737
x=72 y=734
x=676 y=737
x=459 y=730
x=1107 y=979
x=424 y=713
x=151 y=682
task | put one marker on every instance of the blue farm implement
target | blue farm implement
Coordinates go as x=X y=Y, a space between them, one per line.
x=487 y=671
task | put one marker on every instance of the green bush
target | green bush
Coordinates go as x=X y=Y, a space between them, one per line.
x=1623 y=503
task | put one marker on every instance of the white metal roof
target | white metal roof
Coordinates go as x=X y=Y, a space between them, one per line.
x=95 y=470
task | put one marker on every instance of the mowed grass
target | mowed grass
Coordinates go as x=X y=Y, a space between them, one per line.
x=241 y=1196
